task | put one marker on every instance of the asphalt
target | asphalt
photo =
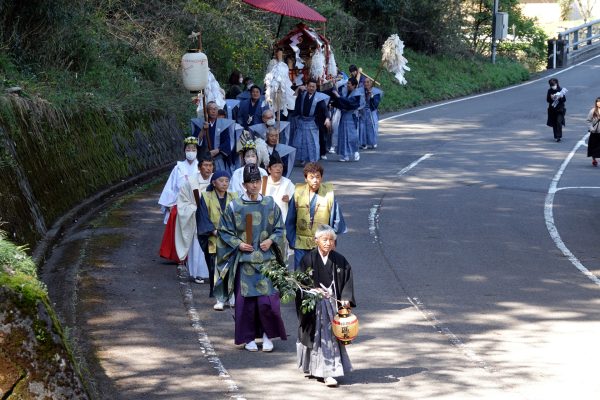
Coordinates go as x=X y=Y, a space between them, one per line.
x=462 y=290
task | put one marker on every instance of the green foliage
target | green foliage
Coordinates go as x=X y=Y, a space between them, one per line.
x=288 y=283
x=565 y=9
x=428 y=26
x=527 y=42
x=439 y=77
x=18 y=272
x=233 y=36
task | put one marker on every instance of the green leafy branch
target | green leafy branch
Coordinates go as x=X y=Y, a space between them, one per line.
x=289 y=282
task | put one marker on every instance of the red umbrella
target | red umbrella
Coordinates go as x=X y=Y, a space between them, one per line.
x=289 y=8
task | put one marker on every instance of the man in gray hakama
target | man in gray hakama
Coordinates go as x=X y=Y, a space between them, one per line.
x=319 y=353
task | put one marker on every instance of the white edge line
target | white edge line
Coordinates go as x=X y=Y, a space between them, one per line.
x=454 y=340
x=413 y=164
x=549 y=215
x=205 y=344
x=485 y=94
x=418 y=304
x=576 y=187
x=374 y=211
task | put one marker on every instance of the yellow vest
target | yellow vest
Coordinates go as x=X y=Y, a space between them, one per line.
x=305 y=228
x=214 y=213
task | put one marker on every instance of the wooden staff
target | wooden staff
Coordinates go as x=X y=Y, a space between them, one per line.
x=197 y=197
x=264 y=185
x=360 y=71
x=377 y=74
x=206 y=131
x=249 y=229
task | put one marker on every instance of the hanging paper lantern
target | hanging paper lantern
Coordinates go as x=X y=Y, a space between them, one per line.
x=345 y=325
x=194 y=70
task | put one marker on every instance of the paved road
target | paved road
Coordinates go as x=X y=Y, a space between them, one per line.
x=463 y=291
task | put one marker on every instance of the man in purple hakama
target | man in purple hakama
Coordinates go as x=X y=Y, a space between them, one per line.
x=251 y=230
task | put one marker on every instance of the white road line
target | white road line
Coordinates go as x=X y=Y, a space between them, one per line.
x=205 y=344
x=413 y=164
x=454 y=340
x=576 y=187
x=549 y=215
x=374 y=211
x=487 y=93
x=418 y=304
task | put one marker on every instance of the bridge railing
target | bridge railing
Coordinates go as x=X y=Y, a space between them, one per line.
x=574 y=43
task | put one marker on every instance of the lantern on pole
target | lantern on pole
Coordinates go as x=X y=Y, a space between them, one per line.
x=194 y=66
x=194 y=70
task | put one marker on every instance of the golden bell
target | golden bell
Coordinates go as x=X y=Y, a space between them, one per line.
x=345 y=325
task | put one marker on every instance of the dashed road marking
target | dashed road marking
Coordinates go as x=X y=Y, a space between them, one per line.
x=205 y=344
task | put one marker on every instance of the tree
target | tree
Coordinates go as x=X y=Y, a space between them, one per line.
x=586 y=8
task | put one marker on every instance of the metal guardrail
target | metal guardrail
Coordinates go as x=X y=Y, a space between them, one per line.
x=573 y=43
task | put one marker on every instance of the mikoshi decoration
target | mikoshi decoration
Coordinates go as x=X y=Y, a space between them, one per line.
x=278 y=86
x=308 y=55
x=345 y=325
x=392 y=58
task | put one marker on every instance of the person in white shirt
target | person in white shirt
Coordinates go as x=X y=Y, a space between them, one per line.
x=278 y=186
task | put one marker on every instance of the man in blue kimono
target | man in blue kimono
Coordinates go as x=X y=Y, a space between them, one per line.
x=215 y=137
x=251 y=109
x=285 y=152
x=369 y=129
x=312 y=113
x=348 y=102
x=268 y=121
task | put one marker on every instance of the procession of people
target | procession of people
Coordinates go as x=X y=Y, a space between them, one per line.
x=231 y=209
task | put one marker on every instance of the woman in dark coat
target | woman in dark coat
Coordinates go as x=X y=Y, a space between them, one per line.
x=556 y=108
x=593 y=119
x=319 y=353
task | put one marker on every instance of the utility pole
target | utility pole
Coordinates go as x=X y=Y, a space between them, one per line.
x=494 y=22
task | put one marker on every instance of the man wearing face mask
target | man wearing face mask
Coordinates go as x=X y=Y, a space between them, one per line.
x=249 y=156
x=268 y=121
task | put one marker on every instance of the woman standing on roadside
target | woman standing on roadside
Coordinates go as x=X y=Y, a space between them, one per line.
x=593 y=119
x=556 y=108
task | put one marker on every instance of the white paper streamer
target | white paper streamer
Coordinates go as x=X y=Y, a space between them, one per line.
x=213 y=92
x=392 y=58
x=331 y=65
x=278 y=88
x=317 y=65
